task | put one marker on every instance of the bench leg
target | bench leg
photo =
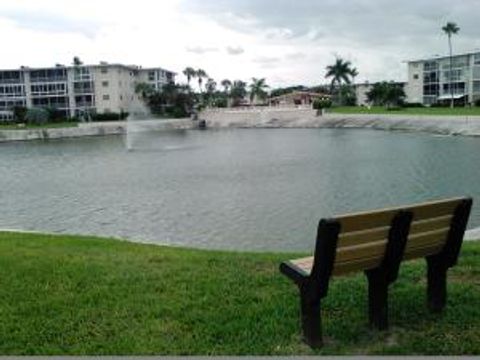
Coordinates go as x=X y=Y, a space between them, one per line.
x=377 y=300
x=436 y=286
x=311 y=322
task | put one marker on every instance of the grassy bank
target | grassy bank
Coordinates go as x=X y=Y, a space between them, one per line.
x=82 y=295
x=461 y=111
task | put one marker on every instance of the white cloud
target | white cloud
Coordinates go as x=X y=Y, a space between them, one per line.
x=286 y=42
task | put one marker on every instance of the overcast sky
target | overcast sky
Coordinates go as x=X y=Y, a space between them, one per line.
x=287 y=41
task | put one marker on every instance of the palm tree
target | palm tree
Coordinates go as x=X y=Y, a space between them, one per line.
x=450 y=29
x=189 y=73
x=144 y=90
x=340 y=71
x=353 y=74
x=227 y=84
x=238 y=91
x=257 y=89
x=200 y=74
x=210 y=86
x=76 y=61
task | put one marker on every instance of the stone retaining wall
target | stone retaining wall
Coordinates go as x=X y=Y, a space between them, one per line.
x=307 y=118
x=92 y=129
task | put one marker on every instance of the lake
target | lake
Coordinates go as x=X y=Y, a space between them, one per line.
x=242 y=189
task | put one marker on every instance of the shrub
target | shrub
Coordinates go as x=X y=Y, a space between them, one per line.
x=322 y=103
x=37 y=116
x=19 y=113
x=177 y=112
x=477 y=102
x=413 y=105
x=110 y=116
x=440 y=105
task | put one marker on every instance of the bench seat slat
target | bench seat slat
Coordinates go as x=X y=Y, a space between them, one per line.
x=380 y=218
x=422 y=251
x=353 y=266
x=366 y=256
x=369 y=250
x=381 y=233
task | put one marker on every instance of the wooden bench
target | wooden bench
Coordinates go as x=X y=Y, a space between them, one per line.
x=376 y=242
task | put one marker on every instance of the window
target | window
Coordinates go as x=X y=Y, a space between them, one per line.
x=476 y=87
x=106 y=97
x=121 y=97
x=457 y=88
x=151 y=76
x=476 y=59
x=430 y=77
x=430 y=65
x=460 y=61
x=432 y=89
x=476 y=72
x=104 y=70
x=415 y=76
x=454 y=75
x=105 y=83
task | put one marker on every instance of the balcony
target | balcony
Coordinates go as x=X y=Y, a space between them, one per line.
x=48 y=79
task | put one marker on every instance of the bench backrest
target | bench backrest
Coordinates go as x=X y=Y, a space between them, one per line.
x=363 y=238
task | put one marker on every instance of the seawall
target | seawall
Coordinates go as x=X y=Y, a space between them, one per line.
x=307 y=118
x=93 y=129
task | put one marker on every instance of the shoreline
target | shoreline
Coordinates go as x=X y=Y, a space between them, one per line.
x=265 y=118
x=307 y=118
x=102 y=128
x=471 y=235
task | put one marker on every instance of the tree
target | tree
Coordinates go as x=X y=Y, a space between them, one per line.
x=210 y=86
x=348 y=95
x=19 y=113
x=200 y=74
x=341 y=71
x=354 y=74
x=227 y=84
x=190 y=73
x=257 y=89
x=451 y=28
x=37 y=116
x=173 y=100
x=76 y=61
x=144 y=90
x=238 y=91
x=386 y=94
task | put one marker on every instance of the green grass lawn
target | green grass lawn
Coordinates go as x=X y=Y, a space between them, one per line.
x=460 y=111
x=85 y=295
x=45 y=126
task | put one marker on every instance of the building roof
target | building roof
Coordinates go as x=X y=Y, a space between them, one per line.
x=367 y=83
x=101 y=64
x=439 y=57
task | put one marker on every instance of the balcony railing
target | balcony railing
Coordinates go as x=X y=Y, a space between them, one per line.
x=48 y=79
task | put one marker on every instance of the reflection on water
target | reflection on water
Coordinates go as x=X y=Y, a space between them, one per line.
x=232 y=189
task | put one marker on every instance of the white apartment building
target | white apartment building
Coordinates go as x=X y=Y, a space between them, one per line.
x=77 y=90
x=431 y=81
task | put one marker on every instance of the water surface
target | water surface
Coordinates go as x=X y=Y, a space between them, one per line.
x=248 y=189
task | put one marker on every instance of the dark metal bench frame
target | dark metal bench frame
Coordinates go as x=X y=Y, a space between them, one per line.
x=314 y=286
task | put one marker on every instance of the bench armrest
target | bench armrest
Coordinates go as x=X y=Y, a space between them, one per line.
x=293 y=272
